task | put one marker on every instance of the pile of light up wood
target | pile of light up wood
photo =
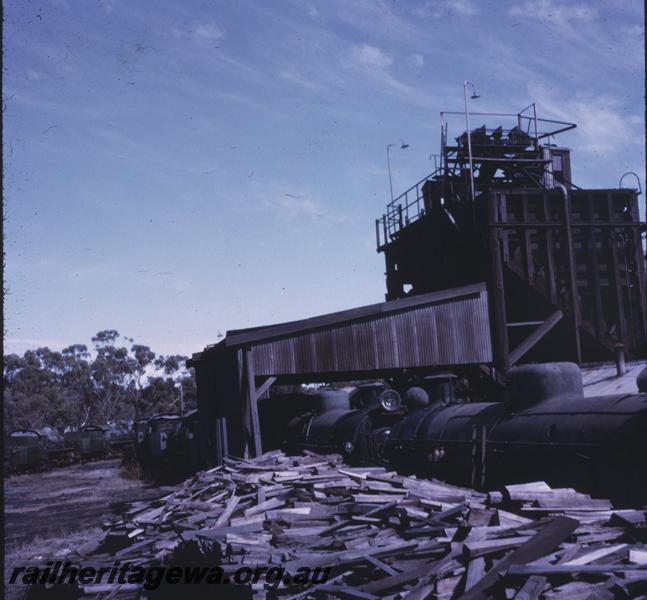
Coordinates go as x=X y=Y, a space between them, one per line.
x=382 y=535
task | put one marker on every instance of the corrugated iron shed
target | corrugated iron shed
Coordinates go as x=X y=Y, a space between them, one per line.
x=438 y=329
x=450 y=327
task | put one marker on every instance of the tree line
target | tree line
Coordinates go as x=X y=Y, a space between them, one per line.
x=119 y=381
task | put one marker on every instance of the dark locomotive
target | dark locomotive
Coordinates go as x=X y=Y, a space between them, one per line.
x=544 y=429
x=36 y=450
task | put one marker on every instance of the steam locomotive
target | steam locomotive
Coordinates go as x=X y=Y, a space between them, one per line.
x=37 y=450
x=166 y=446
x=543 y=429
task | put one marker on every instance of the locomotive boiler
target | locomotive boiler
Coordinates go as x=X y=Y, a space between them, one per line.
x=543 y=429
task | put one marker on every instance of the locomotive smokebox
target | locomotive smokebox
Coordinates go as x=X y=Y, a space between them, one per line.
x=529 y=385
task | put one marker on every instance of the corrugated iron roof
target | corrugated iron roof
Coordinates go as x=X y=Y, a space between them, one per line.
x=255 y=335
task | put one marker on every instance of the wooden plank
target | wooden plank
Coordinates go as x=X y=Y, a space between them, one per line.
x=420 y=591
x=524 y=570
x=475 y=572
x=532 y=339
x=481 y=548
x=229 y=509
x=376 y=562
x=427 y=570
x=266 y=385
x=532 y=588
x=596 y=554
x=544 y=542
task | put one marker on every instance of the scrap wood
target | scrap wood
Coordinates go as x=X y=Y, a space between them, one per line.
x=381 y=534
x=549 y=538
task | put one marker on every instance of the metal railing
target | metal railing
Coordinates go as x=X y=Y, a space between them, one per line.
x=409 y=206
x=403 y=210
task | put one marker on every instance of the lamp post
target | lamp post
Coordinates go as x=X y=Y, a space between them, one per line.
x=474 y=96
x=388 y=162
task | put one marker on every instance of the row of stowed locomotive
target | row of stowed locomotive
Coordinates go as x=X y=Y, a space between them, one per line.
x=544 y=428
x=159 y=444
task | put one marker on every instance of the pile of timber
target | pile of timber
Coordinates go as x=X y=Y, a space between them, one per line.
x=383 y=535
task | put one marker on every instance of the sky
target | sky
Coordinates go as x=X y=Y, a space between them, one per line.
x=173 y=170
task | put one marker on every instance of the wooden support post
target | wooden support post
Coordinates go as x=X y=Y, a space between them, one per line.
x=254 y=431
x=483 y=457
x=474 y=457
x=572 y=277
x=496 y=288
x=224 y=442
x=535 y=336
x=551 y=286
x=216 y=431
x=639 y=258
x=526 y=246
x=244 y=406
x=593 y=266
x=621 y=332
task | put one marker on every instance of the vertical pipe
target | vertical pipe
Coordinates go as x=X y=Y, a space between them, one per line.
x=620 y=359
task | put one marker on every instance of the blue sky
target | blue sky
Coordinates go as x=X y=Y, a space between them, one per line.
x=174 y=170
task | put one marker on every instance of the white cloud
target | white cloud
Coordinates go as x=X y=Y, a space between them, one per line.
x=21 y=345
x=294 y=206
x=209 y=31
x=415 y=60
x=443 y=8
x=202 y=32
x=602 y=128
x=564 y=18
x=108 y=5
x=370 y=56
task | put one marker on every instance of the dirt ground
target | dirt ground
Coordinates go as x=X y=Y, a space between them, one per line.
x=49 y=513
